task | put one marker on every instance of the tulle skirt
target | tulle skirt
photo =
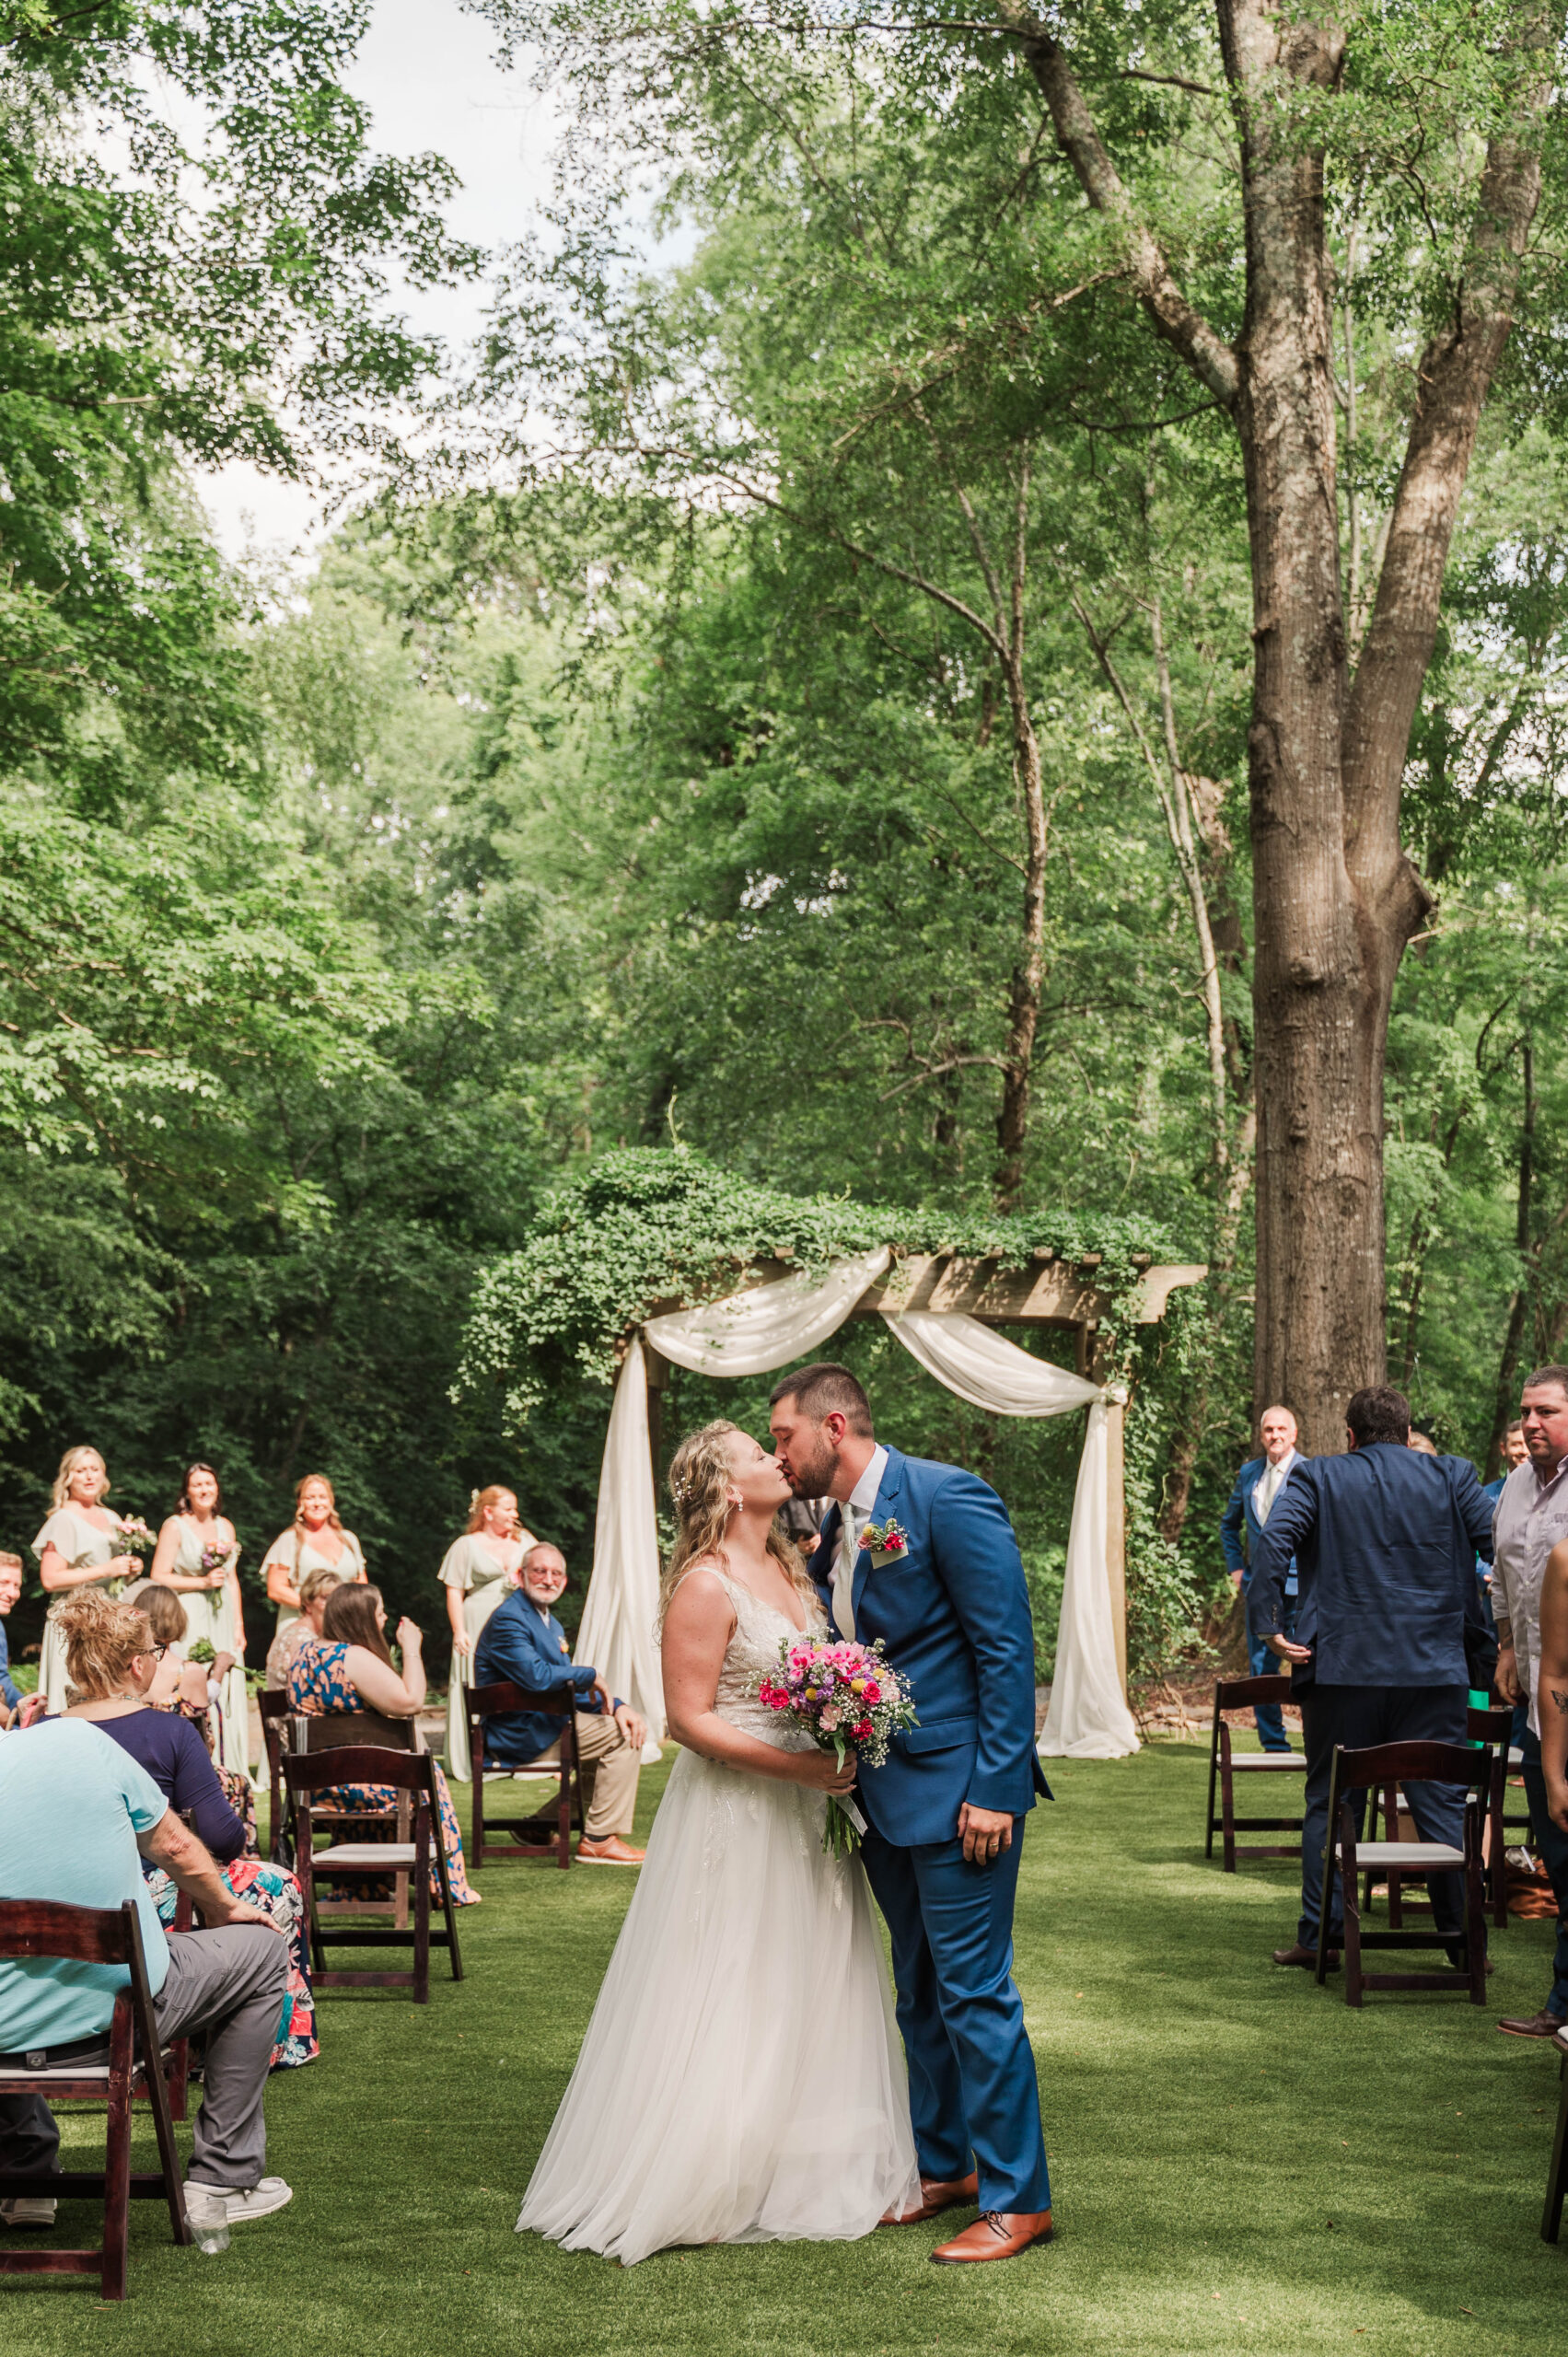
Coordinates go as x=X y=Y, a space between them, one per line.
x=741 y=2079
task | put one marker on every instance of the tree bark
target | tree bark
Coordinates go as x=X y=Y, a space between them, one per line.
x=1335 y=900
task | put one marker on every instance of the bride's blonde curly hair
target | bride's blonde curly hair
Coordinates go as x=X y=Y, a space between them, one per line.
x=700 y=1476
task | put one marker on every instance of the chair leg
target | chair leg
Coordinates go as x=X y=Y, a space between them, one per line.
x=1228 y=1805
x=449 y=1904
x=476 y=1770
x=564 y=1805
x=117 y=2159
x=1475 y=1915
x=1352 y=1917
x=1214 y=1770
x=1497 y=1843
x=422 y=1908
x=1557 y=2176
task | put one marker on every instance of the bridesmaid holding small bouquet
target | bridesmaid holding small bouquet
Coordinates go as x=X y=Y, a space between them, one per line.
x=198 y=1556
x=82 y=1541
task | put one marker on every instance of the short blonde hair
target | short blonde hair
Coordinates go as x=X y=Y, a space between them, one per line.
x=101 y=1637
x=68 y=1464
x=321 y=1581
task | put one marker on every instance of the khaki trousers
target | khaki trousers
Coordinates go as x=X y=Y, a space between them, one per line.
x=609 y=1772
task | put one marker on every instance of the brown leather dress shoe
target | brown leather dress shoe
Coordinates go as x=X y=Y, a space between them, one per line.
x=611 y=1851
x=935 y=2193
x=997 y=2234
x=1542 y=2025
x=1307 y=1957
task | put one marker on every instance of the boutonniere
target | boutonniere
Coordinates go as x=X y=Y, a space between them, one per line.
x=888 y=1543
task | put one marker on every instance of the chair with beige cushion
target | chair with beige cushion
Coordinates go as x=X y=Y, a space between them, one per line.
x=1226 y=1764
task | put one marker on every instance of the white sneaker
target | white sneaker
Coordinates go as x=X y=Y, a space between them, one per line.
x=257 y=2200
x=29 y=2209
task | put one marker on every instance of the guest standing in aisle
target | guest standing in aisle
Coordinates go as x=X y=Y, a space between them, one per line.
x=197 y=1555
x=80 y=1542
x=1386 y=1538
x=315 y=1540
x=1246 y=1516
x=477 y=1571
x=1530 y=1527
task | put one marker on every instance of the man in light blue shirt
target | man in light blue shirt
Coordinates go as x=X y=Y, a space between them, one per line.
x=77 y=1815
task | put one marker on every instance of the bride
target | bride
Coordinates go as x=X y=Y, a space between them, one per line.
x=741 y=2079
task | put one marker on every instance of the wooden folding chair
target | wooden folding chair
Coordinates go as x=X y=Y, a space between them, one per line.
x=337 y=1730
x=498 y=1700
x=137 y=2066
x=1557 y=2176
x=409 y=1772
x=1393 y=1764
x=1226 y=1764
x=1490 y=1728
x=272 y=1703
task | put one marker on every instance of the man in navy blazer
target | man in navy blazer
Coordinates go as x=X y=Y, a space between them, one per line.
x=1241 y=1526
x=922 y=1556
x=1385 y=1541
x=523 y=1642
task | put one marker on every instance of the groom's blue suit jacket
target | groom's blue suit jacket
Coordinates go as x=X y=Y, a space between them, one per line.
x=954 y=1614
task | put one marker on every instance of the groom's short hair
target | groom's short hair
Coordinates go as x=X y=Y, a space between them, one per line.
x=824 y=1390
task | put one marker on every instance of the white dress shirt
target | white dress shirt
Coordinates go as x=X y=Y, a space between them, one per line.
x=1271 y=1483
x=1530 y=1518
x=857 y=1515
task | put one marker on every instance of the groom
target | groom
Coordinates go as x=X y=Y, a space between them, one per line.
x=946 y=1809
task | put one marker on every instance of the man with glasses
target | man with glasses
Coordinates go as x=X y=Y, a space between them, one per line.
x=523 y=1642
x=1531 y=1517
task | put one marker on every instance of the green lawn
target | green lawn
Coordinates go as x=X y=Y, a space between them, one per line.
x=1240 y=2161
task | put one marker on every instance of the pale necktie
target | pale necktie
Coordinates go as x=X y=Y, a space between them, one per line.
x=844 y=1575
x=1266 y=1493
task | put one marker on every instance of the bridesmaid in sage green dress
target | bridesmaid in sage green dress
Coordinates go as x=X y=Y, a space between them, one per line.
x=315 y=1540
x=80 y=1542
x=211 y=1599
x=477 y=1571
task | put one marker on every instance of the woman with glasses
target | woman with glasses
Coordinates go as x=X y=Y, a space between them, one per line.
x=125 y=1680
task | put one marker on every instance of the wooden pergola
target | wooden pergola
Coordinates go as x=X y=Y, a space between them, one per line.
x=1046 y=1291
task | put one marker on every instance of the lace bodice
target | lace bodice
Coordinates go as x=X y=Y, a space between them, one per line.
x=753 y=1648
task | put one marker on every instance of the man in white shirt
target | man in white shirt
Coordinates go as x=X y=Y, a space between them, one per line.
x=1531 y=1517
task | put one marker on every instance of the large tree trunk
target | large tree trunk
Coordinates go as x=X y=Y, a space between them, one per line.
x=1335 y=901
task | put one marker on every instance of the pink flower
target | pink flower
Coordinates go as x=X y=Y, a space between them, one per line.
x=830 y=1719
x=861 y=1731
x=872 y=1691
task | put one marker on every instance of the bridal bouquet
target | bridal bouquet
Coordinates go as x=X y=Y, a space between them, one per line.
x=214 y=1556
x=135 y=1539
x=842 y=1695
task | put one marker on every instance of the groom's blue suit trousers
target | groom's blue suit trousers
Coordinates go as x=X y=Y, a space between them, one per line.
x=973 y=2097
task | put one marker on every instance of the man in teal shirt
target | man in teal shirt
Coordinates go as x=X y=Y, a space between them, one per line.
x=77 y=1815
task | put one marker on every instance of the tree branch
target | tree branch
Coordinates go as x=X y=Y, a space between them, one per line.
x=1453 y=380
x=1210 y=358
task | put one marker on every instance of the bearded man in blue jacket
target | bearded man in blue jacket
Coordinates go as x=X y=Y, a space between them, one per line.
x=922 y=1556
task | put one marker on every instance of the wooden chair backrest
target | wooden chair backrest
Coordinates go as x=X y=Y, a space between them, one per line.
x=272 y=1703
x=501 y=1699
x=48 y=1927
x=1414 y=1763
x=1245 y=1693
x=355 y=1729
x=360 y=1763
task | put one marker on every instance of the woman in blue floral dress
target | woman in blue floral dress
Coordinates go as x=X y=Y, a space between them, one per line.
x=349 y=1669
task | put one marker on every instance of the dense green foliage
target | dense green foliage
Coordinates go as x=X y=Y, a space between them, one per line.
x=576 y=889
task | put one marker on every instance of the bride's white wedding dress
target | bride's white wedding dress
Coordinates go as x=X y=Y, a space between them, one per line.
x=741 y=2079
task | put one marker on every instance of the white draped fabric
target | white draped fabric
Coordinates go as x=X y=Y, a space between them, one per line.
x=1089 y=1718
x=617 y=1629
x=769 y=1326
x=766 y=1326
x=986 y=1369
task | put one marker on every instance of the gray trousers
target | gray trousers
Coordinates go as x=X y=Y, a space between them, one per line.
x=229 y=1985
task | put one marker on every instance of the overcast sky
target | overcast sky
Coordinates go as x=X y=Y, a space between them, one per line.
x=426 y=72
